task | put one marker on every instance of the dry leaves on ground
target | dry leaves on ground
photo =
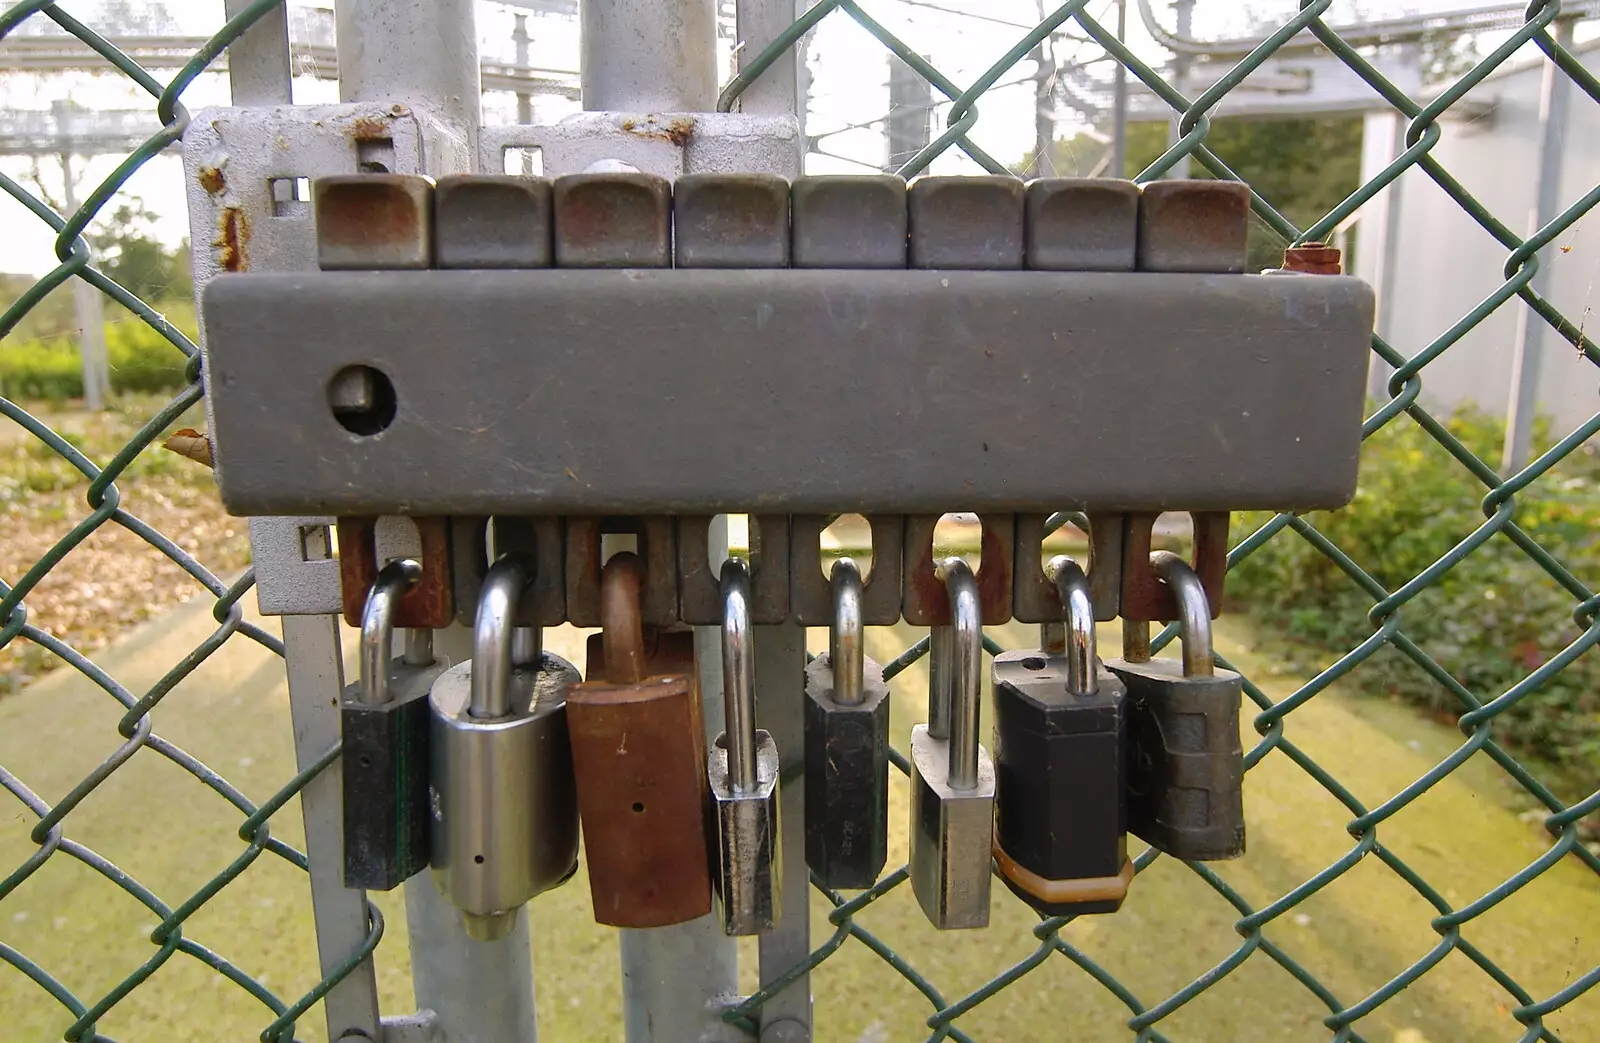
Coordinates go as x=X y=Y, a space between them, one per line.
x=113 y=579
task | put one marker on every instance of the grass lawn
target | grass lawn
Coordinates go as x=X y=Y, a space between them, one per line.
x=158 y=824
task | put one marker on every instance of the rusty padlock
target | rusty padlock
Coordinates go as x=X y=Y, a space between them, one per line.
x=639 y=753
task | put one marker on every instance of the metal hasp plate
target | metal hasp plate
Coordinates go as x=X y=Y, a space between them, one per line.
x=792 y=391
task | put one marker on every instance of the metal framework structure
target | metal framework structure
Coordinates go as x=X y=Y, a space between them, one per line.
x=410 y=81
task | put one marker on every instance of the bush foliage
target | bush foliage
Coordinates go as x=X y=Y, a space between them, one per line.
x=140 y=360
x=1489 y=621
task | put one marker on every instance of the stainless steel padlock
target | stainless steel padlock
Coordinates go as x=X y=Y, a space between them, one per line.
x=847 y=748
x=1186 y=764
x=743 y=768
x=952 y=777
x=505 y=806
x=383 y=726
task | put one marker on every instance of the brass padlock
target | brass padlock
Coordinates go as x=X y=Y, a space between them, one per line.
x=639 y=753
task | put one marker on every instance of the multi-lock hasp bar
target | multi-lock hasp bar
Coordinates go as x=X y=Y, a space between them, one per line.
x=695 y=390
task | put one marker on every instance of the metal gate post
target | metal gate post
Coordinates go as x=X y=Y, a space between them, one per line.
x=781 y=649
x=422 y=54
x=1528 y=355
x=425 y=56
x=650 y=56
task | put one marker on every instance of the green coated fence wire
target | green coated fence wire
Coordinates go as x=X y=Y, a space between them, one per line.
x=49 y=823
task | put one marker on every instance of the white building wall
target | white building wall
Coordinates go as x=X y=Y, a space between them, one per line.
x=1445 y=263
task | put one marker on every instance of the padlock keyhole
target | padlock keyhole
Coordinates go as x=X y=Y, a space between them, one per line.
x=362 y=400
x=1034 y=663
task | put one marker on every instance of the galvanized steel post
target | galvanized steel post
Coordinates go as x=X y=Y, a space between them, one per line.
x=1527 y=356
x=649 y=55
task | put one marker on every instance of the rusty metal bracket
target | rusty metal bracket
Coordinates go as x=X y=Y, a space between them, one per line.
x=1144 y=596
x=429 y=604
x=811 y=594
x=1035 y=599
x=925 y=601
x=699 y=589
x=656 y=550
x=539 y=540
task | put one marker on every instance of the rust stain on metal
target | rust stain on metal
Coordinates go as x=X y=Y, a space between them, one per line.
x=369 y=128
x=613 y=219
x=1144 y=596
x=211 y=179
x=678 y=131
x=232 y=240
x=361 y=215
x=430 y=603
x=926 y=601
x=1313 y=258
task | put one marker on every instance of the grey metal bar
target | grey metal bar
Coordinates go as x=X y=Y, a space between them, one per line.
x=1257 y=381
x=780 y=709
x=258 y=61
x=636 y=57
x=1528 y=355
x=316 y=677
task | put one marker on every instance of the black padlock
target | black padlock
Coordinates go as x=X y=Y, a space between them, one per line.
x=383 y=721
x=1186 y=764
x=847 y=748
x=1060 y=727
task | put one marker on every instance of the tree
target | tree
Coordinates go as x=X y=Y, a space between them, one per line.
x=127 y=251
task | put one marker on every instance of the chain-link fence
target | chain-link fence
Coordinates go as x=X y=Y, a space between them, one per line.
x=85 y=995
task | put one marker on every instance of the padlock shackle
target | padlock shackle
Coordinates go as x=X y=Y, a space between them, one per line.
x=845 y=639
x=493 y=636
x=965 y=670
x=377 y=625
x=622 y=626
x=1072 y=587
x=738 y=676
x=1194 y=612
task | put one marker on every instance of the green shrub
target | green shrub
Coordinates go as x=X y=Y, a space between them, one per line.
x=1490 y=621
x=140 y=359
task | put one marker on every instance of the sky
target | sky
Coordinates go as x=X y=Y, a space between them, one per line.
x=849 y=85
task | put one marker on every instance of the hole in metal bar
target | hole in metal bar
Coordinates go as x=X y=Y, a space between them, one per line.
x=959 y=535
x=527 y=160
x=362 y=400
x=847 y=536
x=291 y=196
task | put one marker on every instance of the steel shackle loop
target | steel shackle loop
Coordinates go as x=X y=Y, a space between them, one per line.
x=738 y=676
x=622 y=628
x=492 y=639
x=1072 y=587
x=845 y=639
x=377 y=626
x=1194 y=612
x=965 y=675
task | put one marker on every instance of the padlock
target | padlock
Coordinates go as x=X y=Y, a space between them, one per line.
x=743 y=767
x=1186 y=765
x=1060 y=728
x=505 y=807
x=847 y=748
x=383 y=726
x=639 y=754
x=952 y=777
